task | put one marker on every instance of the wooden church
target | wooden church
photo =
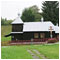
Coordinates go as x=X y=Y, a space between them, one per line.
x=32 y=30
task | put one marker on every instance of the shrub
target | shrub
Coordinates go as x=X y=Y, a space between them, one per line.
x=52 y=40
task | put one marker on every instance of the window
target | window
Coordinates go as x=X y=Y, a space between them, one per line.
x=36 y=35
x=42 y=35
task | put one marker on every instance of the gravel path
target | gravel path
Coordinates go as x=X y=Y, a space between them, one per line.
x=33 y=55
x=41 y=55
x=5 y=46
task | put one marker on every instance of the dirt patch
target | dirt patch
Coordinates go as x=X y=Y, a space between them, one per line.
x=5 y=43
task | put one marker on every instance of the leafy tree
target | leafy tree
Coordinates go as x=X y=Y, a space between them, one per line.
x=31 y=14
x=9 y=22
x=5 y=21
x=51 y=11
x=35 y=11
x=27 y=15
x=2 y=21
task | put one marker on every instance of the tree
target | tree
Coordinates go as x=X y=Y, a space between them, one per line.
x=31 y=14
x=35 y=11
x=27 y=15
x=51 y=11
x=5 y=21
x=2 y=21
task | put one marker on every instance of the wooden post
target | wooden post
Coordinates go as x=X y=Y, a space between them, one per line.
x=31 y=41
x=51 y=31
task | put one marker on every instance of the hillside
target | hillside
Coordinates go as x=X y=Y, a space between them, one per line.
x=4 y=31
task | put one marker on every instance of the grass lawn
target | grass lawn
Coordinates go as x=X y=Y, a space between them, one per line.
x=4 y=31
x=50 y=51
x=15 y=52
x=20 y=52
x=6 y=38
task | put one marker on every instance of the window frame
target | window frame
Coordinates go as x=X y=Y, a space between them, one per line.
x=42 y=35
x=36 y=35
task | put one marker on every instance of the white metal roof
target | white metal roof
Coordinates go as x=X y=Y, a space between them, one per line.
x=56 y=29
x=17 y=20
x=37 y=26
x=16 y=32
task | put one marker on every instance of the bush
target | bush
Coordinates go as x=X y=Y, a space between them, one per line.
x=52 y=40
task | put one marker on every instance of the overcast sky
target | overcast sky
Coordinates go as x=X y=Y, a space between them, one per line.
x=10 y=9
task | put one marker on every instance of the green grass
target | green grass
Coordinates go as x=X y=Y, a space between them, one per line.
x=20 y=52
x=50 y=51
x=6 y=38
x=15 y=52
x=4 y=31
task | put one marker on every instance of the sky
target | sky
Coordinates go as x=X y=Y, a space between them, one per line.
x=10 y=9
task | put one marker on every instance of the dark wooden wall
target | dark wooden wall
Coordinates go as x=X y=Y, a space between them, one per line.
x=17 y=37
x=30 y=35
x=17 y=27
